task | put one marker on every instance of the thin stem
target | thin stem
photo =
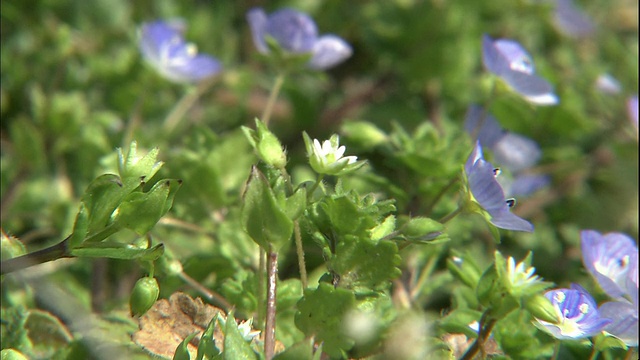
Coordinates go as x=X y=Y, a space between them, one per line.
x=594 y=353
x=273 y=96
x=486 y=326
x=315 y=186
x=185 y=103
x=629 y=353
x=556 y=351
x=210 y=295
x=300 y=252
x=54 y=252
x=451 y=215
x=270 y=323
x=426 y=271
x=261 y=271
x=439 y=196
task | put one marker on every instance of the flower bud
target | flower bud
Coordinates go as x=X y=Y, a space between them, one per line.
x=540 y=307
x=266 y=145
x=144 y=295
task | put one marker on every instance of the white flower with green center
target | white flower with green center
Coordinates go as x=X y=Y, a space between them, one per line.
x=520 y=276
x=328 y=158
x=578 y=314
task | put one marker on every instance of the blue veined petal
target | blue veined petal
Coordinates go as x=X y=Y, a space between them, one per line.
x=293 y=30
x=516 y=152
x=329 y=51
x=579 y=316
x=258 y=20
x=532 y=87
x=609 y=259
x=488 y=193
x=625 y=320
x=515 y=55
x=492 y=58
x=572 y=21
x=163 y=46
x=196 y=69
x=483 y=126
x=504 y=219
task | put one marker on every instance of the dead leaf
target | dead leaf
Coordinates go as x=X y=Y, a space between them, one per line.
x=168 y=322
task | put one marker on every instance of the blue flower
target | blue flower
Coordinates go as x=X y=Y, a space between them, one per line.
x=512 y=151
x=625 y=320
x=571 y=21
x=296 y=32
x=508 y=60
x=488 y=193
x=578 y=314
x=610 y=258
x=163 y=46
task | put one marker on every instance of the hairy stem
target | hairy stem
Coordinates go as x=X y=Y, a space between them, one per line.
x=300 y=252
x=486 y=326
x=270 y=324
x=53 y=252
x=185 y=103
x=273 y=96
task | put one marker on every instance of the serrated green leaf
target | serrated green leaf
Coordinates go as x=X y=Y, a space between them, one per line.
x=131 y=166
x=235 y=347
x=385 y=228
x=364 y=263
x=14 y=332
x=321 y=313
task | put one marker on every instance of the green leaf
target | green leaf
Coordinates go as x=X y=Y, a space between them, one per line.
x=235 y=347
x=207 y=346
x=80 y=227
x=296 y=203
x=116 y=250
x=321 y=313
x=182 y=352
x=262 y=217
x=131 y=166
x=458 y=321
x=364 y=263
x=14 y=332
x=100 y=199
x=385 y=228
x=302 y=350
x=141 y=211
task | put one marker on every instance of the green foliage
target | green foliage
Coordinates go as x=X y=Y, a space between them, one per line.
x=376 y=235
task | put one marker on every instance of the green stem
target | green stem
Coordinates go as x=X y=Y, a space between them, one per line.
x=315 y=186
x=630 y=352
x=426 y=271
x=103 y=234
x=451 y=215
x=594 y=353
x=270 y=323
x=300 y=252
x=54 y=252
x=439 y=196
x=185 y=103
x=486 y=326
x=261 y=271
x=273 y=96
x=556 y=351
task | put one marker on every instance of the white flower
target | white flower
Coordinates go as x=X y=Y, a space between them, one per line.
x=519 y=276
x=328 y=157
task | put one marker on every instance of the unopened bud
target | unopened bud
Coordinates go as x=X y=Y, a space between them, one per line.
x=144 y=295
x=540 y=307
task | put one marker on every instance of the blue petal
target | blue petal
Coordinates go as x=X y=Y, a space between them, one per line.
x=492 y=58
x=154 y=37
x=196 y=69
x=257 y=20
x=329 y=51
x=533 y=88
x=483 y=126
x=525 y=185
x=516 y=152
x=504 y=219
x=611 y=248
x=293 y=30
x=517 y=58
x=571 y=21
x=624 y=316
